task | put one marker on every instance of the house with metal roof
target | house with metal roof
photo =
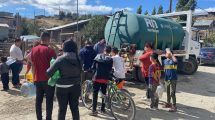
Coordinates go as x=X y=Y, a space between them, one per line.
x=66 y=31
x=206 y=27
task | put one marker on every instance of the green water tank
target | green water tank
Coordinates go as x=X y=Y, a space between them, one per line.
x=124 y=27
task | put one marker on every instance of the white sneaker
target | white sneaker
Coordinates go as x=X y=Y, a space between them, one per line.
x=145 y=99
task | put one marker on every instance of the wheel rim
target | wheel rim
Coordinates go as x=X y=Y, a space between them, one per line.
x=188 y=67
x=123 y=109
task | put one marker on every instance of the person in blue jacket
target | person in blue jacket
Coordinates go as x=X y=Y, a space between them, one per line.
x=87 y=55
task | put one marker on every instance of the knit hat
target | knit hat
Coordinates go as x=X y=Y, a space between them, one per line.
x=70 y=46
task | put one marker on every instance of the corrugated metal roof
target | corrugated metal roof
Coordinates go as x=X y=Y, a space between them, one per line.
x=30 y=38
x=4 y=25
x=203 y=23
x=68 y=25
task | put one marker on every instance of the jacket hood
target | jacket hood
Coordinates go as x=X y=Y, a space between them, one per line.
x=103 y=58
x=70 y=56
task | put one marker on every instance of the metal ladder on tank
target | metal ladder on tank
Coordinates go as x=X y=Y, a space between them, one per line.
x=114 y=24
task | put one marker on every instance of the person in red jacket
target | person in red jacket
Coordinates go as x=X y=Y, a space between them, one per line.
x=145 y=63
x=41 y=56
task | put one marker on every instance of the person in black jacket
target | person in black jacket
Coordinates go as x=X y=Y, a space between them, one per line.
x=68 y=85
x=103 y=66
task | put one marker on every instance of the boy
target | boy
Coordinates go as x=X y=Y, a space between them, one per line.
x=118 y=64
x=170 y=67
x=154 y=80
x=4 y=70
x=103 y=67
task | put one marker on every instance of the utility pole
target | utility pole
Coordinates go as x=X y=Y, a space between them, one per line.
x=77 y=15
x=170 y=6
x=44 y=12
x=34 y=21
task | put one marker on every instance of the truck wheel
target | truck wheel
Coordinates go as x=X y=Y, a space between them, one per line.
x=190 y=66
x=139 y=75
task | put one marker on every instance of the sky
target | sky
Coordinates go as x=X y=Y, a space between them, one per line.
x=50 y=7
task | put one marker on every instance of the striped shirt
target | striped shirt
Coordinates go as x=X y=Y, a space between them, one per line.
x=170 y=68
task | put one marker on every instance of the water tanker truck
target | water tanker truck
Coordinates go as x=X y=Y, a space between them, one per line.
x=129 y=32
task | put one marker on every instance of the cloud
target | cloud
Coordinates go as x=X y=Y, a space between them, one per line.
x=204 y=11
x=21 y=8
x=52 y=6
x=210 y=9
x=120 y=9
x=98 y=1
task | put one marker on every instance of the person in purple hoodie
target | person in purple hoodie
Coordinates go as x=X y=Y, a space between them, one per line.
x=87 y=55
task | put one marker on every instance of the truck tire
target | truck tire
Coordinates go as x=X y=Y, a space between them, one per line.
x=139 y=75
x=189 y=67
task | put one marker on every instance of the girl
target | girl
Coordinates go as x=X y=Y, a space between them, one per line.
x=154 y=79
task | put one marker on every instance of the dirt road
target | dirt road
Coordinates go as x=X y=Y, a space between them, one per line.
x=195 y=98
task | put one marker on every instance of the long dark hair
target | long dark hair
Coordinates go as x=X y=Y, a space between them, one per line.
x=155 y=56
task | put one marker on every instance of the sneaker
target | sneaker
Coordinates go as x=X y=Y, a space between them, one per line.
x=167 y=105
x=103 y=111
x=145 y=99
x=173 y=109
x=93 y=113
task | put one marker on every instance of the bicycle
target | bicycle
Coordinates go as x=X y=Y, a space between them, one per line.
x=119 y=101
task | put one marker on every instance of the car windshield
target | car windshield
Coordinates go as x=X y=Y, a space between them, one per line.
x=208 y=50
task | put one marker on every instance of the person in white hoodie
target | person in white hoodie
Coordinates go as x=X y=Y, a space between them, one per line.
x=118 y=64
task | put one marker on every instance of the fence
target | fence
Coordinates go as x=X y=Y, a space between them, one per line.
x=4 y=49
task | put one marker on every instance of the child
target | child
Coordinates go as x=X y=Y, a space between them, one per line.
x=154 y=80
x=4 y=70
x=118 y=64
x=170 y=67
x=103 y=67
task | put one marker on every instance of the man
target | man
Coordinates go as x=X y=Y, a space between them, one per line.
x=103 y=67
x=41 y=56
x=87 y=55
x=16 y=67
x=145 y=62
x=100 y=46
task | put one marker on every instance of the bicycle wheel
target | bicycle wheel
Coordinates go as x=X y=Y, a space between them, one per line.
x=87 y=93
x=122 y=106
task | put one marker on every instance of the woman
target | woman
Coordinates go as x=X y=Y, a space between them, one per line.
x=68 y=86
x=145 y=63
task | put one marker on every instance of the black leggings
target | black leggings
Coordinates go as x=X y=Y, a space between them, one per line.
x=42 y=88
x=69 y=96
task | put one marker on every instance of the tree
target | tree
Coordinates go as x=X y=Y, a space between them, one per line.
x=95 y=28
x=160 y=10
x=146 y=13
x=62 y=15
x=69 y=15
x=139 y=10
x=213 y=38
x=184 y=5
x=154 y=11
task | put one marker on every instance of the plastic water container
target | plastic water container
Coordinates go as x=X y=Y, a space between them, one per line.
x=29 y=77
x=28 y=89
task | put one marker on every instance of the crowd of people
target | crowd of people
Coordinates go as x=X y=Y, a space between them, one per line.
x=93 y=62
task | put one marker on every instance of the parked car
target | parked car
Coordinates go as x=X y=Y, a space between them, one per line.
x=207 y=55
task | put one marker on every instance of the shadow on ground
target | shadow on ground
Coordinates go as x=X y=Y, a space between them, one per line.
x=184 y=112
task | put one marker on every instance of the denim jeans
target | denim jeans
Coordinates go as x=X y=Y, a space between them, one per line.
x=16 y=69
x=5 y=80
